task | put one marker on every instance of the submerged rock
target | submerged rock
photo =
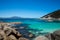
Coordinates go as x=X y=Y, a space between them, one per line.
x=9 y=33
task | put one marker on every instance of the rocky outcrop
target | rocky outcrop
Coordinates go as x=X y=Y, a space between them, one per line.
x=9 y=33
x=2 y=35
x=54 y=36
x=52 y=16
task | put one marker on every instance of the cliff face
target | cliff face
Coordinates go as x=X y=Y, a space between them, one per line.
x=55 y=14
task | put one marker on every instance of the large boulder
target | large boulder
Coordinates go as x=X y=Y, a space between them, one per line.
x=50 y=36
x=13 y=37
x=56 y=35
x=57 y=32
x=2 y=35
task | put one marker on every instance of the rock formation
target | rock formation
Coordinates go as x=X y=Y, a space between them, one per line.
x=54 y=36
x=52 y=16
x=41 y=38
x=9 y=33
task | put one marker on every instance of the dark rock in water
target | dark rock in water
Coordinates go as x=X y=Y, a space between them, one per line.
x=57 y=32
x=48 y=36
x=22 y=28
x=54 y=36
x=26 y=34
x=20 y=25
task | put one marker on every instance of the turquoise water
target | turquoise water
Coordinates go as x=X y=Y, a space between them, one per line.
x=45 y=26
x=39 y=24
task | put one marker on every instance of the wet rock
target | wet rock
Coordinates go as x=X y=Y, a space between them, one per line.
x=56 y=35
x=57 y=32
x=49 y=36
x=18 y=34
x=30 y=35
x=41 y=38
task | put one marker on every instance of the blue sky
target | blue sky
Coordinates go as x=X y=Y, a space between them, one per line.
x=27 y=8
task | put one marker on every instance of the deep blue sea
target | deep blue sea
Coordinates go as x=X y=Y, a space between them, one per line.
x=43 y=25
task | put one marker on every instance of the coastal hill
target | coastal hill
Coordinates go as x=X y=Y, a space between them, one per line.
x=52 y=15
x=15 y=17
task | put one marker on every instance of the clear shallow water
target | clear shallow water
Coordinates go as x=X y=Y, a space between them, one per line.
x=45 y=26
x=38 y=24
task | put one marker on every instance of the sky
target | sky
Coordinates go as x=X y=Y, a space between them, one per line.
x=28 y=8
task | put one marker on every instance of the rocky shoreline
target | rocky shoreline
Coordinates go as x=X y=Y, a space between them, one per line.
x=7 y=32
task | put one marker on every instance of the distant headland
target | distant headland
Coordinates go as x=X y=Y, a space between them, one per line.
x=52 y=16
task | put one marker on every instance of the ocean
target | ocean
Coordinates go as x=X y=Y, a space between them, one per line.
x=43 y=25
